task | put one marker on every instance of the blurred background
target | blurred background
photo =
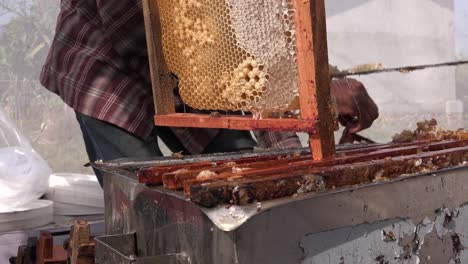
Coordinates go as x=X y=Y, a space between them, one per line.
x=399 y=33
x=26 y=31
x=391 y=32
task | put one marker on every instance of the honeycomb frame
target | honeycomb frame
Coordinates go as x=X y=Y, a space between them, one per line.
x=224 y=63
x=312 y=79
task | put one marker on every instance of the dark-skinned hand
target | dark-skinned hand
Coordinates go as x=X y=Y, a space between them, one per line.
x=356 y=109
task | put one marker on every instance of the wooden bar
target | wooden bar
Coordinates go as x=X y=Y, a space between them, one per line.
x=174 y=175
x=307 y=167
x=175 y=180
x=314 y=76
x=245 y=191
x=47 y=252
x=162 y=80
x=45 y=246
x=81 y=249
x=235 y=122
x=154 y=175
x=300 y=165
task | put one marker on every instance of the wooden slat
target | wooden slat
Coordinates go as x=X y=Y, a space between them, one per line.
x=47 y=252
x=235 y=122
x=313 y=73
x=45 y=246
x=246 y=191
x=81 y=248
x=162 y=81
x=175 y=180
x=305 y=167
x=154 y=175
x=297 y=168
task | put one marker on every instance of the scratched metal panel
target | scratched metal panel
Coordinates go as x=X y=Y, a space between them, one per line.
x=286 y=230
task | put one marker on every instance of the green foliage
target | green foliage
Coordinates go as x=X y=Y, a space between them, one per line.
x=24 y=43
x=41 y=116
x=24 y=40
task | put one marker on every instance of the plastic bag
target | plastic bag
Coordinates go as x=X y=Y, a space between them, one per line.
x=24 y=175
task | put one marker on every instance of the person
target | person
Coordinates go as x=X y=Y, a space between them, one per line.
x=98 y=65
x=356 y=112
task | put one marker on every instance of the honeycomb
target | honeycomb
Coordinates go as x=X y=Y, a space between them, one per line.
x=232 y=54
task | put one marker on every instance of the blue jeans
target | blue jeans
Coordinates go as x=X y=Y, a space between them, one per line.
x=104 y=141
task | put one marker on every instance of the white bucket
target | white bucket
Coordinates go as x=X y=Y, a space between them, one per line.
x=75 y=194
x=35 y=214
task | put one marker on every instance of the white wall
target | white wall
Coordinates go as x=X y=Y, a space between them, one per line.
x=461 y=49
x=461 y=27
x=396 y=33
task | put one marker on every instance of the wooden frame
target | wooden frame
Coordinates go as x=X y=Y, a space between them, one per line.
x=246 y=179
x=236 y=122
x=313 y=73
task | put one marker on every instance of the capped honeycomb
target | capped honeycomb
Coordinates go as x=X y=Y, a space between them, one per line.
x=232 y=54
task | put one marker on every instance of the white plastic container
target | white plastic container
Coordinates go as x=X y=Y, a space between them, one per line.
x=35 y=214
x=76 y=210
x=76 y=194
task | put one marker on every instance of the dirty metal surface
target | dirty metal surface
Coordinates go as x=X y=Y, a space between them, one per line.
x=122 y=249
x=244 y=191
x=288 y=228
x=247 y=179
x=136 y=164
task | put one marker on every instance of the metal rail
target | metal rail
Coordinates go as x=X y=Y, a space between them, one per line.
x=404 y=69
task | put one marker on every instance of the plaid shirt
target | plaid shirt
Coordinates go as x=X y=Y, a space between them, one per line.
x=98 y=65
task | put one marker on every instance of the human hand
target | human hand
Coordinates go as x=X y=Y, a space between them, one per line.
x=356 y=109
